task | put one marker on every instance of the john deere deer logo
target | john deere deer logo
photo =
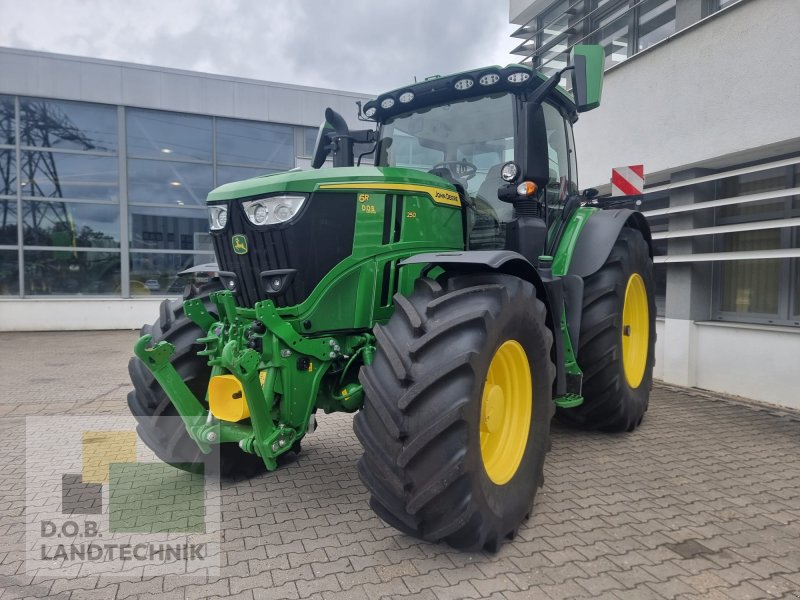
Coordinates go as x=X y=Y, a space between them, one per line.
x=239 y=243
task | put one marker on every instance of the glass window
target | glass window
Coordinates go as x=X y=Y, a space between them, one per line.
x=228 y=174
x=9 y=273
x=7 y=121
x=169 y=228
x=407 y=151
x=8 y=172
x=176 y=136
x=552 y=38
x=70 y=224
x=558 y=184
x=611 y=32
x=309 y=140
x=71 y=272
x=256 y=144
x=573 y=161
x=72 y=125
x=752 y=183
x=796 y=290
x=449 y=133
x=165 y=182
x=750 y=286
x=157 y=274
x=8 y=222
x=656 y=21
x=796 y=183
x=554 y=22
x=58 y=175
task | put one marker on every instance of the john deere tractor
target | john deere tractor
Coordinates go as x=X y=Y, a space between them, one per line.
x=456 y=293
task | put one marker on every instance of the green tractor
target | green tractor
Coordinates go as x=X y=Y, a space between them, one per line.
x=457 y=293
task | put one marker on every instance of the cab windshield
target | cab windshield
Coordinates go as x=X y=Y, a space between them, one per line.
x=466 y=142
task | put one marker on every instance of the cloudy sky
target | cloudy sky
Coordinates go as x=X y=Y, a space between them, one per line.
x=346 y=44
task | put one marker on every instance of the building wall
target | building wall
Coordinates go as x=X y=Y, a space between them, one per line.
x=709 y=110
x=91 y=237
x=46 y=75
x=721 y=92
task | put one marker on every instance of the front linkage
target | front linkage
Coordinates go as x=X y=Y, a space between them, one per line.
x=266 y=379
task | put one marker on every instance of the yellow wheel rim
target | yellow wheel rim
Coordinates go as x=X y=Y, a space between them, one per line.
x=635 y=331
x=506 y=412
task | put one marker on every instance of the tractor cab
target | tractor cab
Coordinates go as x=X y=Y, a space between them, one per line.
x=502 y=136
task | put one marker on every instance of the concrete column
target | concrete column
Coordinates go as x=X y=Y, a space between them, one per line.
x=688 y=284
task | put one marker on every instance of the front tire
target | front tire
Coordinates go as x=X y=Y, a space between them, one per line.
x=617 y=339
x=456 y=419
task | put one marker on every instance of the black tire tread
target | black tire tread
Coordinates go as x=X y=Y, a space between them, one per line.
x=609 y=404
x=417 y=483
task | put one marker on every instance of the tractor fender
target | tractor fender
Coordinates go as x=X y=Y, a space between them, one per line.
x=550 y=292
x=598 y=236
x=502 y=261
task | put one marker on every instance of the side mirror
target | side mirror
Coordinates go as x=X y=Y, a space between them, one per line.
x=322 y=147
x=587 y=75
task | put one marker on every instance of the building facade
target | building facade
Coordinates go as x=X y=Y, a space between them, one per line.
x=104 y=170
x=703 y=93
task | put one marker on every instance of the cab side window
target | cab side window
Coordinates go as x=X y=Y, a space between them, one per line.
x=558 y=185
x=573 y=161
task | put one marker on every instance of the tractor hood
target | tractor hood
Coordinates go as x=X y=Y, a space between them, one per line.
x=310 y=181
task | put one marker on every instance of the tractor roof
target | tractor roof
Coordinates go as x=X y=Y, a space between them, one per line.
x=435 y=90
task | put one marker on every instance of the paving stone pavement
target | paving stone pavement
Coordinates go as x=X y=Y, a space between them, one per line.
x=703 y=501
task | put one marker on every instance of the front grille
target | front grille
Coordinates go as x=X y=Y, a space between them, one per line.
x=312 y=244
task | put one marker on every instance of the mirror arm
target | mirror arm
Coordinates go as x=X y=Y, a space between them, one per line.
x=540 y=93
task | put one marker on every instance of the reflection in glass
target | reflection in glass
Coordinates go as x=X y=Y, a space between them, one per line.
x=769 y=180
x=796 y=292
x=64 y=124
x=751 y=286
x=9 y=273
x=164 y=182
x=309 y=141
x=611 y=32
x=8 y=172
x=169 y=228
x=71 y=272
x=8 y=222
x=257 y=144
x=228 y=174
x=554 y=22
x=656 y=21
x=70 y=224
x=157 y=134
x=7 y=121
x=157 y=274
x=57 y=175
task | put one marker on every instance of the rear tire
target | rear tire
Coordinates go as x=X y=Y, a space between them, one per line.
x=155 y=413
x=613 y=401
x=425 y=416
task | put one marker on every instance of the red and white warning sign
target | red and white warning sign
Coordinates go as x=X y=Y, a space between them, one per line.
x=627 y=181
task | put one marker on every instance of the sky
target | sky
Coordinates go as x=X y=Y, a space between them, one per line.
x=351 y=45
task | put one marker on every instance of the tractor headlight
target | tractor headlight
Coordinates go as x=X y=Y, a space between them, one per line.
x=217 y=216
x=509 y=171
x=273 y=210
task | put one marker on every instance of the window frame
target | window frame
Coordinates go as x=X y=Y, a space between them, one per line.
x=788 y=270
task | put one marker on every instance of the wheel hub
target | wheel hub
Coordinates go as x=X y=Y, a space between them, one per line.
x=493 y=408
x=635 y=331
x=506 y=408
